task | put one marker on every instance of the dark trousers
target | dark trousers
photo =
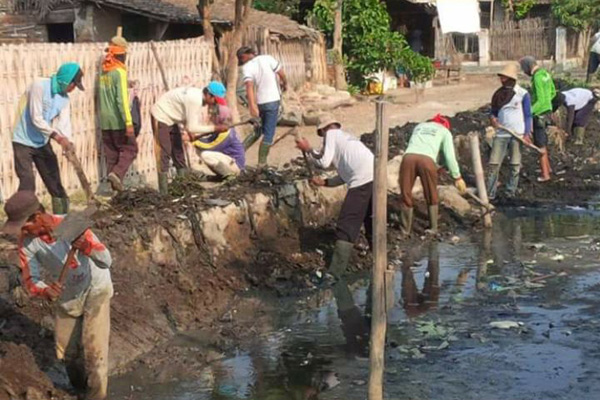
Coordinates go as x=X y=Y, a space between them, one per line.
x=120 y=151
x=593 y=63
x=46 y=164
x=356 y=211
x=418 y=165
x=540 y=125
x=582 y=117
x=171 y=147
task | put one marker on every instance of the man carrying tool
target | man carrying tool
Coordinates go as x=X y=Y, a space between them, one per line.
x=220 y=149
x=120 y=145
x=419 y=161
x=43 y=114
x=82 y=312
x=580 y=105
x=354 y=164
x=542 y=94
x=260 y=75
x=511 y=109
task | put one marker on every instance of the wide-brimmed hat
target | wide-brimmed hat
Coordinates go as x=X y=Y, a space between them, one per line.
x=18 y=208
x=119 y=41
x=325 y=120
x=510 y=71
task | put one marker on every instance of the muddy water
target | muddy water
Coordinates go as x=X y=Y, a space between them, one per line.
x=540 y=270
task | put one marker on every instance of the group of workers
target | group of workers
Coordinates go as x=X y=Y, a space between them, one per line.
x=83 y=304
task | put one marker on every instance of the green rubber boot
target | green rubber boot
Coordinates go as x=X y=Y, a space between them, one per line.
x=251 y=139
x=406 y=220
x=433 y=219
x=181 y=172
x=341 y=258
x=263 y=153
x=60 y=205
x=163 y=183
x=579 y=133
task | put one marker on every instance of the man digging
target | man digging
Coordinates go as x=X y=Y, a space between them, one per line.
x=580 y=105
x=262 y=76
x=426 y=142
x=116 y=123
x=354 y=164
x=82 y=305
x=44 y=113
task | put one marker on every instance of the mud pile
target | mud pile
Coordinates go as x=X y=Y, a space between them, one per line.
x=576 y=179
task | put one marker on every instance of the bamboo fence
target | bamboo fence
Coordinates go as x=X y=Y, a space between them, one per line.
x=511 y=40
x=185 y=62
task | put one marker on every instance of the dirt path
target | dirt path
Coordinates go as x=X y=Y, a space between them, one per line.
x=360 y=117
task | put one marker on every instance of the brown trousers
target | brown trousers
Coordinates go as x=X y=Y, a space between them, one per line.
x=413 y=166
x=168 y=145
x=120 y=151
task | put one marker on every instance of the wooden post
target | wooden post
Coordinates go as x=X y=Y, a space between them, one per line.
x=340 y=75
x=379 y=319
x=478 y=168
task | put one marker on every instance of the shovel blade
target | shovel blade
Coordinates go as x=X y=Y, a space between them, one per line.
x=74 y=224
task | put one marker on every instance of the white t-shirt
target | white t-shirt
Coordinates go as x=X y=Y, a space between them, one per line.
x=352 y=159
x=578 y=98
x=183 y=106
x=596 y=43
x=511 y=115
x=262 y=70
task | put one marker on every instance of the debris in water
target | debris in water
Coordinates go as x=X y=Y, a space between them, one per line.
x=505 y=324
x=558 y=257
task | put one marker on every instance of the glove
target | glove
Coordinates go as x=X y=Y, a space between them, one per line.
x=460 y=185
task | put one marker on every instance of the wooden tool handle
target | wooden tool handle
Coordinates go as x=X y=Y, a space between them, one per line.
x=520 y=139
x=63 y=273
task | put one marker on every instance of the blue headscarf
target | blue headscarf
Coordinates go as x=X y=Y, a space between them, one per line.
x=216 y=89
x=63 y=77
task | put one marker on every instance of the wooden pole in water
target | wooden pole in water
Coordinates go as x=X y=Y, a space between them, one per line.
x=478 y=168
x=378 y=313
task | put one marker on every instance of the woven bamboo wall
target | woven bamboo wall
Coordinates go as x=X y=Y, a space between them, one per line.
x=185 y=62
x=512 y=40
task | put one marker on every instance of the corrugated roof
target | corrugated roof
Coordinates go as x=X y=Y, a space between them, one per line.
x=222 y=12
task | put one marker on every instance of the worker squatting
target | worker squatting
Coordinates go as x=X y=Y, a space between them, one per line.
x=82 y=311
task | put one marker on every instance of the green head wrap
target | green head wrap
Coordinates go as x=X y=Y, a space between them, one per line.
x=63 y=77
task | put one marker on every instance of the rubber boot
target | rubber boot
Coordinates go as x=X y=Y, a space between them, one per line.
x=115 y=182
x=163 y=183
x=579 y=132
x=341 y=258
x=263 y=153
x=545 y=167
x=433 y=219
x=251 y=139
x=406 y=219
x=60 y=205
x=182 y=172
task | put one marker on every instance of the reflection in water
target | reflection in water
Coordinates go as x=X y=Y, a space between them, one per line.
x=415 y=302
x=354 y=325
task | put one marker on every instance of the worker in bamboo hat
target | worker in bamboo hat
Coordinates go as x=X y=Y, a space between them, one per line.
x=81 y=301
x=542 y=92
x=427 y=141
x=116 y=123
x=44 y=114
x=354 y=164
x=511 y=111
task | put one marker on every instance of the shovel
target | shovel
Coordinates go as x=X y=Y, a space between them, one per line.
x=306 y=160
x=521 y=140
x=69 y=230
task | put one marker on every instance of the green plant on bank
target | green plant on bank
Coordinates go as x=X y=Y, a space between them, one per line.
x=289 y=8
x=579 y=15
x=518 y=8
x=369 y=44
x=353 y=89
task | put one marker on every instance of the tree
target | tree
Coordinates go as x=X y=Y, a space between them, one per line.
x=340 y=73
x=579 y=15
x=242 y=11
x=289 y=8
x=518 y=8
x=209 y=33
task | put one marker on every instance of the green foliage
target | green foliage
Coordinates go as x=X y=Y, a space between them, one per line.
x=289 y=8
x=519 y=8
x=579 y=15
x=420 y=67
x=321 y=17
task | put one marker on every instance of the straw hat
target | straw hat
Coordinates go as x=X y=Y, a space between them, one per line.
x=325 y=120
x=510 y=71
x=18 y=208
x=119 y=41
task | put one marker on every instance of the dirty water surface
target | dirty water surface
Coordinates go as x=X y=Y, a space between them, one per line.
x=506 y=314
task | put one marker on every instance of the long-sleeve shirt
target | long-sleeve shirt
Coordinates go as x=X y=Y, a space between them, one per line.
x=42 y=260
x=428 y=139
x=542 y=92
x=113 y=96
x=352 y=159
x=516 y=115
x=182 y=106
x=40 y=113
